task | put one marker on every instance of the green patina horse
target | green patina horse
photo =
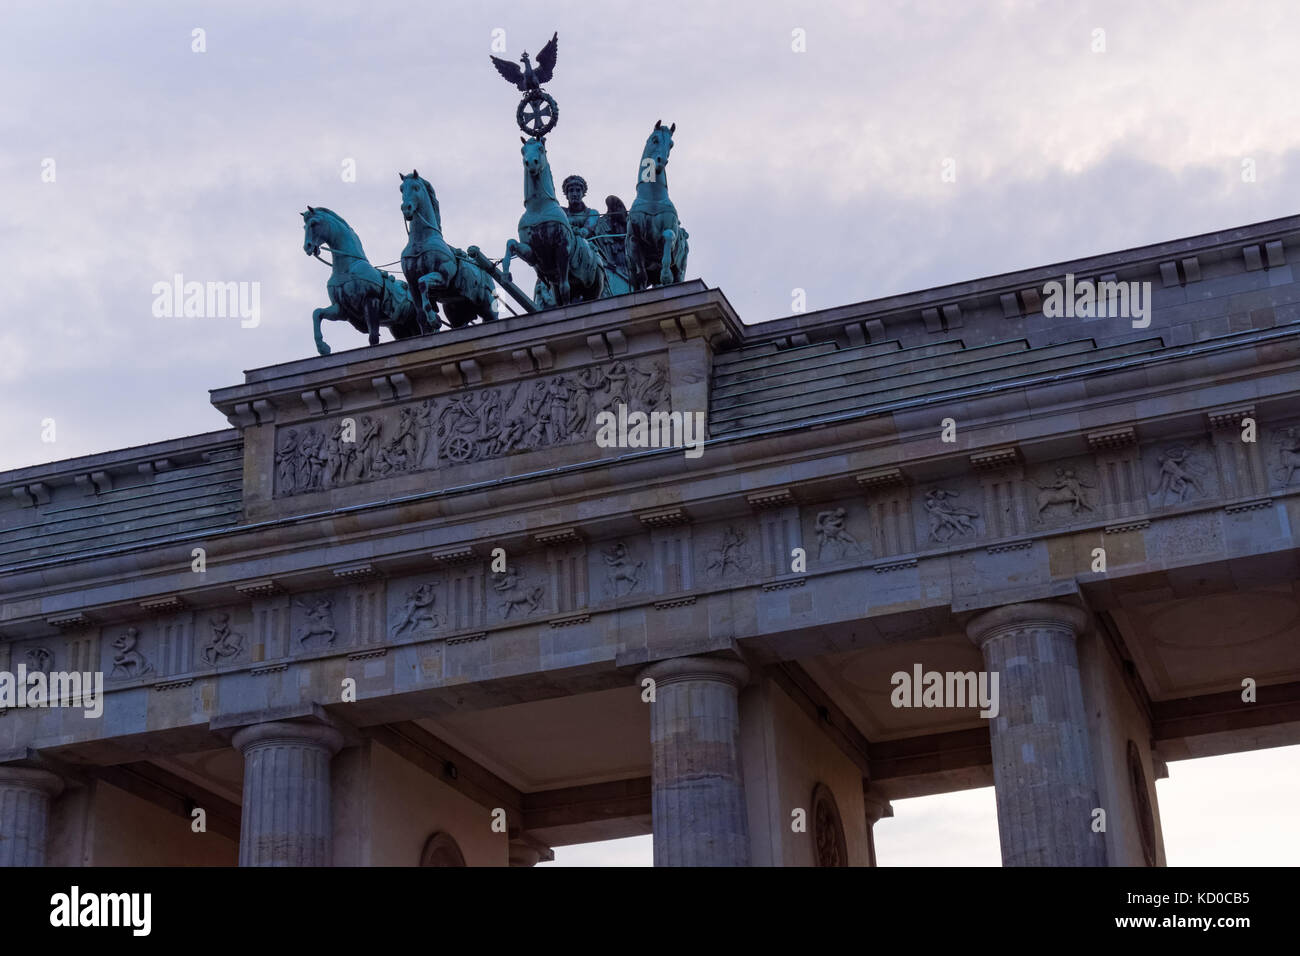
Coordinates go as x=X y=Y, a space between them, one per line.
x=359 y=293
x=566 y=264
x=436 y=272
x=656 y=242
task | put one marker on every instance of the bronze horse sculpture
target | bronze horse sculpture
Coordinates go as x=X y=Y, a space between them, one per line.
x=656 y=245
x=359 y=293
x=567 y=266
x=436 y=272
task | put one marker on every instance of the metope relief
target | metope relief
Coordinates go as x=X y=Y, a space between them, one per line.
x=1063 y=493
x=1284 y=462
x=313 y=622
x=417 y=611
x=834 y=540
x=126 y=657
x=1178 y=474
x=622 y=571
x=949 y=519
x=516 y=594
x=224 y=642
x=469 y=426
x=729 y=553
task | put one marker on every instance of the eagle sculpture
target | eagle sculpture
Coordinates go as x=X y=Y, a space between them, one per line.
x=529 y=80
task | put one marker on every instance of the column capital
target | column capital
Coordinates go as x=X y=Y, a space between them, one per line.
x=1010 y=617
x=286 y=732
x=876 y=807
x=675 y=669
x=29 y=778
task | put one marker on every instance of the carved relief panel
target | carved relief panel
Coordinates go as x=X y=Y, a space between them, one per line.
x=947 y=513
x=727 y=551
x=1281 y=452
x=222 y=636
x=467 y=426
x=1179 y=472
x=1063 y=492
x=128 y=652
x=837 y=532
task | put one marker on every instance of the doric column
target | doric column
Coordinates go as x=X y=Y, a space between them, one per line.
x=876 y=807
x=24 y=813
x=1042 y=762
x=698 y=794
x=286 y=813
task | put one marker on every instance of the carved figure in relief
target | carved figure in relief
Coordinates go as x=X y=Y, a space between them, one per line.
x=729 y=555
x=368 y=445
x=418 y=609
x=38 y=658
x=286 y=462
x=1068 y=489
x=619 y=567
x=834 y=540
x=1289 y=453
x=339 y=455
x=225 y=641
x=1177 y=476
x=424 y=430
x=947 y=521
x=129 y=663
x=514 y=594
x=320 y=621
x=651 y=391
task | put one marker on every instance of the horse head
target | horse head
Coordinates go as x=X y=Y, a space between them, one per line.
x=313 y=232
x=415 y=190
x=534 y=153
x=659 y=145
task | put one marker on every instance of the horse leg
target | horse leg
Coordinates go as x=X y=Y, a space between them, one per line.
x=515 y=248
x=666 y=264
x=330 y=313
x=636 y=272
x=427 y=306
x=372 y=320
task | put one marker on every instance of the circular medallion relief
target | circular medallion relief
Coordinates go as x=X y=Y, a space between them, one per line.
x=441 y=850
x=829 y=845
x=1142 y=804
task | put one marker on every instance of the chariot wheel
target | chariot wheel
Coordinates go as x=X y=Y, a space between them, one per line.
x=460 y=449
x=537 y=114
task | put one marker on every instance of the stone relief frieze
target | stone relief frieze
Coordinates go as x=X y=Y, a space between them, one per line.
x=469 y=426
x=948 y=519
x=418 y=611
x=1285 y=459
x=38 y=659
x=730 y=555
x=515 y=592
x=224 y=642
x=1178 y=473
x=128 y=661
x=315 y=622
x=620 y=569
x=834 y=540
x=1070 y=492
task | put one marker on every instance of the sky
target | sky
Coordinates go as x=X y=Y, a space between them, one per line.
x=850 y=150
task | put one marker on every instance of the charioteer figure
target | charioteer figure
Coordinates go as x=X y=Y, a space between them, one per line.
x=582 y=217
